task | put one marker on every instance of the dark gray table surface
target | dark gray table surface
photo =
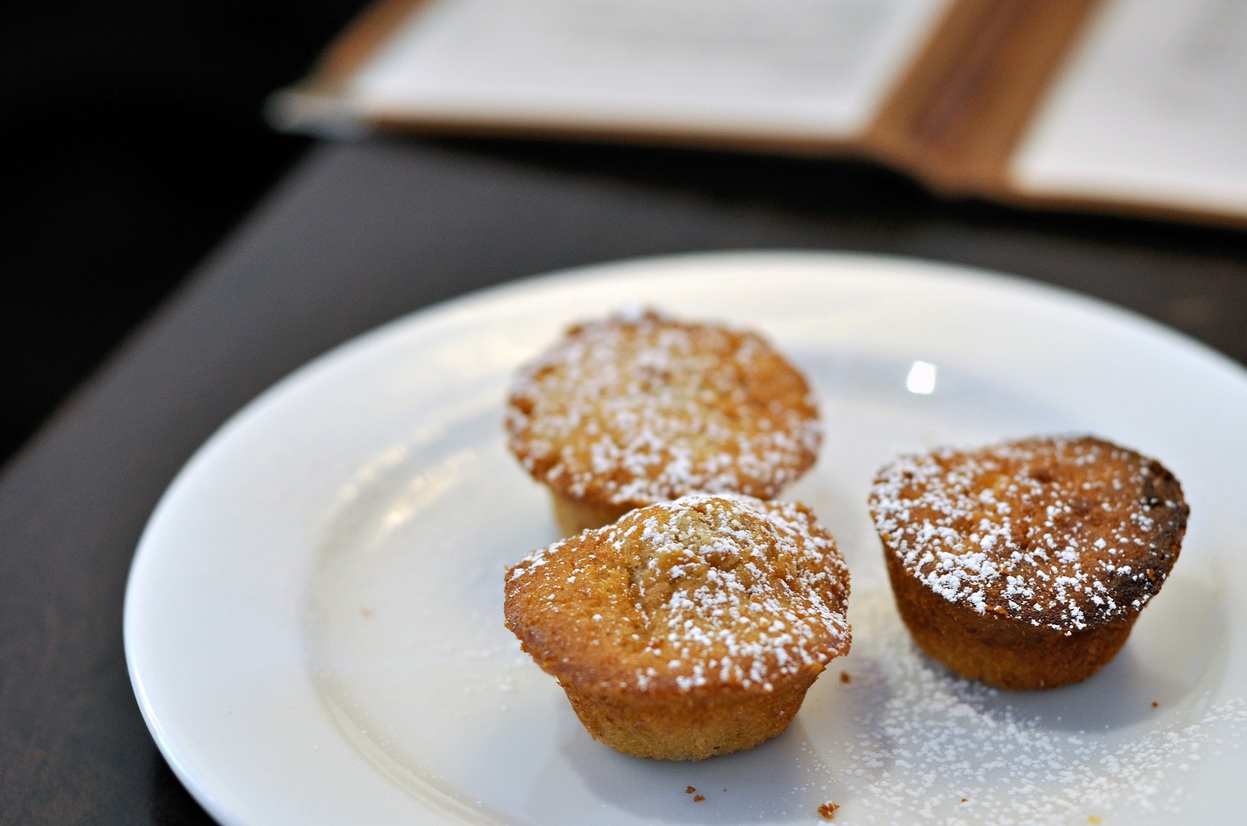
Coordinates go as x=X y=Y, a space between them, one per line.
x=361 y=233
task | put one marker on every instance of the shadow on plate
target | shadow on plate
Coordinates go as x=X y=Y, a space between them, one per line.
x=780 y=780
x=1177 y=647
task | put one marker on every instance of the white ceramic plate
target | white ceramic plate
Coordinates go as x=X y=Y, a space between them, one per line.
x=314 y=616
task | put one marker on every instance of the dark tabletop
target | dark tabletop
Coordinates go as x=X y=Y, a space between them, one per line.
x=361 y=233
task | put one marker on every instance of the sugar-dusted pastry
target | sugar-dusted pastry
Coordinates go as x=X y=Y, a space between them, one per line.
x=638 y=408
x=1025 y=565
x=687 y=629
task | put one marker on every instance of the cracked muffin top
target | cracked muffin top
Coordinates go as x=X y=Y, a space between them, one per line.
x=640 y=408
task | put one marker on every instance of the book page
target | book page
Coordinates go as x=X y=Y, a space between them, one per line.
x=1152 y=109
x=816 y=68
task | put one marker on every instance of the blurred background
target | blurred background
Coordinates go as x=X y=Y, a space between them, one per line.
x=137 y=142
x=140 y=142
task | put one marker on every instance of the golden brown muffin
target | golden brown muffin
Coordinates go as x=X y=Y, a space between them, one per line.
x=641 y=408
x=1025 y=565
x=688 y=629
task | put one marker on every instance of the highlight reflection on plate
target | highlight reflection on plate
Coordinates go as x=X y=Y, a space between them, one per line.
x=314 y=620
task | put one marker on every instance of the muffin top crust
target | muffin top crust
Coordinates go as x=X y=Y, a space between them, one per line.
x=707 y=592
x=639 y=408
x=1064 y=532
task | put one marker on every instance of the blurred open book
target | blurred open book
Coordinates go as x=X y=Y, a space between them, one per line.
x=1131 y=106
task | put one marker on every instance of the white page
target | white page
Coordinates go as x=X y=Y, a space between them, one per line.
x=1153 y=108
x=813 y=68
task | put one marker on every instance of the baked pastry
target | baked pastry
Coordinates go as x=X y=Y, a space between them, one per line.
x=639 y=408
x=1025 y=565
x=687 y=629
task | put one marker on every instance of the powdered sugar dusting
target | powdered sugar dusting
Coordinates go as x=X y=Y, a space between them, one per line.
x=640 y=408
x=1064 y=532
x=935 y=748
x=704 y=591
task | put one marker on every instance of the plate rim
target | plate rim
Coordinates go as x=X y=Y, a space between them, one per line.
x=587 y=277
